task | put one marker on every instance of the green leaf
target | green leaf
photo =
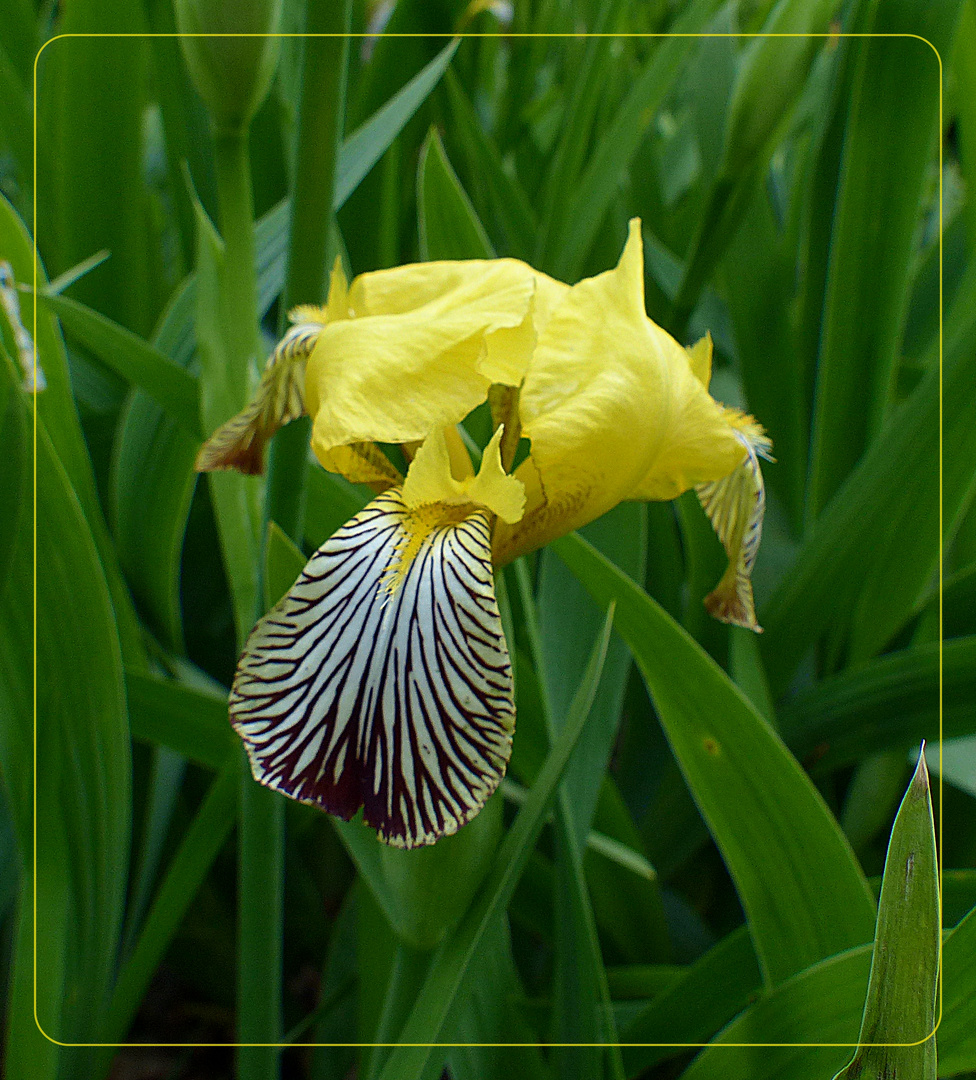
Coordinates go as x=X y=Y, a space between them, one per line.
x=153 y=484
x=138 y=362
x=330 y=502
x=185 y=874
x=623 y=885
x=958 y=895
x=892 y=123
x=56 y=410
x=16 y=122
x=588 y=200
x=367 y=144
x=581 y=997
x=29 y=1054
x=591 y=61
x=964 y=71
x=890 y=703
x=957 y=1034
x=816 y=1008
x=491 y=1010
x=771 y=78
x=190 y=720
x=901 y=1000
x=235 y=497
x=569 y=623
x=449 y=226
x=166 y=774
x=15 y=482
x=433 y=1005
x=91 y=105
x=803 y=892
x=772 y=72
x=695 y=1005
x=872 y=551
x=82 y=755
x=757 y=283
x=504 y=204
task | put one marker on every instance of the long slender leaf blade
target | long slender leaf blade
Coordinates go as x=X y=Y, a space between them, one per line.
x=817 y=1007
x=821 y=1005
x=757 y=285
x=568 y=624
x=893 y=120
x=153 y=483
x=189 y=720
x=449 y=226
x=889 y=703
x=56 y=409
x=134 y=359
x=699 y=1002
x=427 y=1019
x=203 y=840
x=15 y=480
x=957 y=1034
x=581 y=996
x=235 y=497
x=803 y=892
x=82 y=746
x=771 y=76
x=619 y=141
x=367 y=144
x=29 y=1054
x=504 y=204
x=889 y=506
x=91 y=105
x=901 y=998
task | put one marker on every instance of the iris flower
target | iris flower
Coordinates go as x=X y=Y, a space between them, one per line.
x=383 y=679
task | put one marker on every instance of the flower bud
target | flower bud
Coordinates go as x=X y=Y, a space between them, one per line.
x=232 y=74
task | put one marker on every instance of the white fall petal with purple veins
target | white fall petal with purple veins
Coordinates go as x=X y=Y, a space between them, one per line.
x=382 y=679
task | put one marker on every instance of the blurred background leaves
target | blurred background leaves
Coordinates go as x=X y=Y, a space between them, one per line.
x=690 y=838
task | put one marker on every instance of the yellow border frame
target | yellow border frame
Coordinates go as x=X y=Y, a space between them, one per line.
x=449 y=1045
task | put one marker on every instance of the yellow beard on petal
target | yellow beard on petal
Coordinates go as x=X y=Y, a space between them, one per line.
x=419 y=523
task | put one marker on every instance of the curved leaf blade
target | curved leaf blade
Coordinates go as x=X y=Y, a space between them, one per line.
x=803 y=891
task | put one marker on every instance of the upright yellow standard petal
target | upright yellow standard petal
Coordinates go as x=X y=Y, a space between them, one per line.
x=420 y=352
x=614 y=408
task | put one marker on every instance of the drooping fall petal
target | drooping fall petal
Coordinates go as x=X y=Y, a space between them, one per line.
x=280 y=398
x=382 y=679
x=735 y=506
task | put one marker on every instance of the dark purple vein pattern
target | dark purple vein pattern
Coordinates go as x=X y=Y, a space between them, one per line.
x=352 y=693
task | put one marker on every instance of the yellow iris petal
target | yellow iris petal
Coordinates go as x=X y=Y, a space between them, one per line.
x=614 y=408
x=700 y=359
x=430 y=481
x=395 y=372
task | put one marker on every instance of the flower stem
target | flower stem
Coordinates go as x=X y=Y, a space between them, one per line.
x=260 y=878
x=238 y=511
x=237 y=230
x=261 y=831
x=311 y=244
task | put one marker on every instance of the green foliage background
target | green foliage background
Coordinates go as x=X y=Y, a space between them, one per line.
x=688 y=846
